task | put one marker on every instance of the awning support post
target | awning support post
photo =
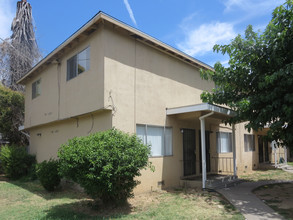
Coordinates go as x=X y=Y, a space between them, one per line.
x=234 y=151
x=275 y=151
x=203 y=148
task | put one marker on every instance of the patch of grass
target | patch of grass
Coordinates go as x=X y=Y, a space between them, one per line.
x=28 y=200
x=283 y=212
x=278 y=197
x=290 y=163
x=259 y=175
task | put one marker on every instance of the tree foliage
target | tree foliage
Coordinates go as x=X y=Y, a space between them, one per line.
x=258 y=83
x=11 y=115
x=104 y=164
x=16 y=162
x=19 y=52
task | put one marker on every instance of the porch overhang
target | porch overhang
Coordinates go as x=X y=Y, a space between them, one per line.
x=203 y=109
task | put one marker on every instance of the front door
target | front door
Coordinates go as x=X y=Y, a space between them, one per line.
x=208 y=156
x=189 y=155
x=266 y=150
x=260 y=149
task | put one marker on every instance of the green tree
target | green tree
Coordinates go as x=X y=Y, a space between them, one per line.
x=11 y=115
x=258 y=83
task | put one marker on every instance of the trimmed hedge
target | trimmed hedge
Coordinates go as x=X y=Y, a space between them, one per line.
x=15 y=161
x=104 y=164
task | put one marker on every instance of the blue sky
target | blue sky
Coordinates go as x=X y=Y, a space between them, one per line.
x=192 y=26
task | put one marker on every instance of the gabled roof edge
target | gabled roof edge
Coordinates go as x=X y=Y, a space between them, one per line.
x=146 y=38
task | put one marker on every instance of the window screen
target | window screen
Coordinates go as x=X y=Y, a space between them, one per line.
x=224 y=142
x=159 y=138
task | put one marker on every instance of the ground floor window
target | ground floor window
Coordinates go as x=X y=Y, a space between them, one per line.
x=224 y=142
x=160 y=139
x=249 y=142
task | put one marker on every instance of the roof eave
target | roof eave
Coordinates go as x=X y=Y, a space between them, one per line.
x=134 y=32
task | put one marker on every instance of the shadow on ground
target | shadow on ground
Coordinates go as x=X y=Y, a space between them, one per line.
x=278 y=197
x=63 y=191
x=86 y=210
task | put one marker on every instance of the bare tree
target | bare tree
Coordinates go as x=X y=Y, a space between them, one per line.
x=20 y=52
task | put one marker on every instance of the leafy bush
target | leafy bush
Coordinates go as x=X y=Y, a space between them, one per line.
x=47 y=173
x=12 y=116
x=15 y=161
x=104 y=164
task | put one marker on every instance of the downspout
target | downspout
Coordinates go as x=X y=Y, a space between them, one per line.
x=234 y=151
x=203 y=148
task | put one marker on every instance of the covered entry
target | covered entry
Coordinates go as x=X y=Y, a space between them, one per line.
x=201 y=112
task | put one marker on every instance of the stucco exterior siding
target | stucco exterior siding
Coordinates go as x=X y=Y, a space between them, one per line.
x=47 y=139
x=144 y=82
x=62 y=99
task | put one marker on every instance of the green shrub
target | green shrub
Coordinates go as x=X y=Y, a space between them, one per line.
x=47 y=173
x=15 y=160
x=12 y=115
x=104 y=164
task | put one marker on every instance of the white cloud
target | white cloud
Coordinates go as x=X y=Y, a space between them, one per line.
x=6 y=16
x=201 y=40
x=130 y=12
x=252 y=6
x=225 y=63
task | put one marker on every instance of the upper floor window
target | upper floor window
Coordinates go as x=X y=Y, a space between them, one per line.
x=160 y=139
x=249 y=142
x=36 y=88
x=224 y=142
x=78 y=64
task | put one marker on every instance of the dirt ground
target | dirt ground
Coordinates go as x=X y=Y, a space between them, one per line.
x=279 y=197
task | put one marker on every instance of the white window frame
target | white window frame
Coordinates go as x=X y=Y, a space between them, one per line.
x=71 y=74
x=163 y=147
x=36 y=88
x=248 y=137
x=220 y=148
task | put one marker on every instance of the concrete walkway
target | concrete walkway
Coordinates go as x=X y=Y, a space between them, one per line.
x=247 y=203
x=286 y=168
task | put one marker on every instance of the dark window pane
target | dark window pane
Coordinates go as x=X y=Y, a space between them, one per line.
x=71 y=68
x=36 y=88
x=78 y=64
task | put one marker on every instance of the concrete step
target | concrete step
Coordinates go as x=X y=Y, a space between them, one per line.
x=223 y=182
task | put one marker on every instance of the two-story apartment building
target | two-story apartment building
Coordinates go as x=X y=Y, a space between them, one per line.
x=108 y=74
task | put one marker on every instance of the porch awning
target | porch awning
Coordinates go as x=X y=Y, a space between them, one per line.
x=202 y=109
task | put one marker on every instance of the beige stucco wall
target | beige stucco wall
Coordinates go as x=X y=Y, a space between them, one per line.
x=62 y=99
x=143 y=82
x=46 y=140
